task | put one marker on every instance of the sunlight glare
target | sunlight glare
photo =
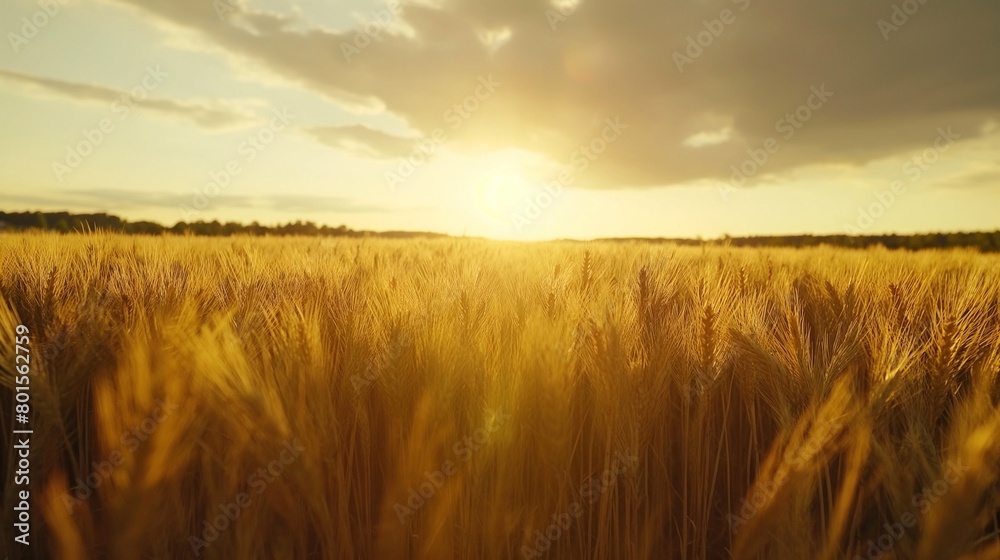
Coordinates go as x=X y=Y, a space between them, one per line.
x=499 y=194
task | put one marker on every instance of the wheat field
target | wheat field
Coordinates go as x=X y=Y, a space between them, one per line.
x=244 y=398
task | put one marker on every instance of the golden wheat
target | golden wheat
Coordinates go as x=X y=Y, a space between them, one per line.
x=438 y=399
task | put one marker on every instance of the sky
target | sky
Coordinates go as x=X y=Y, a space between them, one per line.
x=513 y=119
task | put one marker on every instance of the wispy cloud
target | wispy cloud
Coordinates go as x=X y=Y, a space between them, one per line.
x=709 y=138
x=112 y=200
x=212 y=115
x=364 y=141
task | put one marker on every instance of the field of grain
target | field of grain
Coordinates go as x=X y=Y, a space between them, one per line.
x=285 y=398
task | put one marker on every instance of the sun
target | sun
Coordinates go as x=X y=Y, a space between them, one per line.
x=499 y=194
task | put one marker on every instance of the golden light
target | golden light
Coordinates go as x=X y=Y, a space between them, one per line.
x=500 y=194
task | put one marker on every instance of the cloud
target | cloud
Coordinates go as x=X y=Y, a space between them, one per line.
x=709 y=138
x=112 y=200
x=976 y=179
x=364 y=141
x=213 y=115
x=563 y=76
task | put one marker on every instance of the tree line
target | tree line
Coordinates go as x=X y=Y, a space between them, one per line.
x=67 y=222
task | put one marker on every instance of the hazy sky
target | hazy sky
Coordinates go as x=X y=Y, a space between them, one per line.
x=522 y=119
